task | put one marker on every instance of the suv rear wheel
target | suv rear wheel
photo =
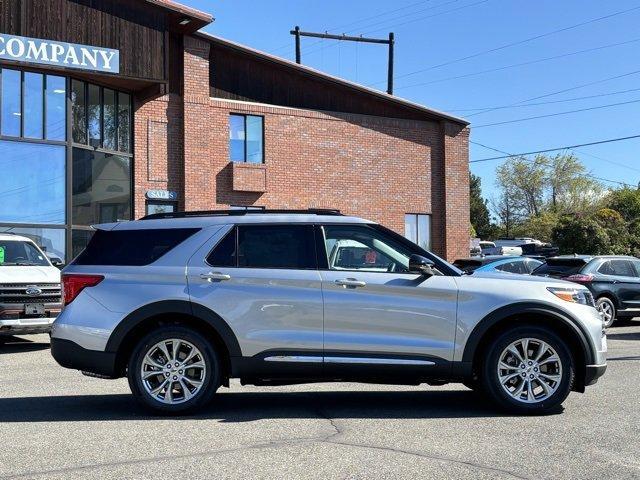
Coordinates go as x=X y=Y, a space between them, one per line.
x=528 y=369
x=174 y=370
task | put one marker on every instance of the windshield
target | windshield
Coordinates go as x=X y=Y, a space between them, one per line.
x=559 y=269
x=19 y=252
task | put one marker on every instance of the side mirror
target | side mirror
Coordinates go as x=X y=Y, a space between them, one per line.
x=56 y=262
x=421 y=265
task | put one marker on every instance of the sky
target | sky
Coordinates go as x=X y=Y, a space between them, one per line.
x=600 y=59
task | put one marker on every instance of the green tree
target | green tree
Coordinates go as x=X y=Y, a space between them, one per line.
x=581 y=234
x=480 y=219
x=570 y=189
x=626 y=201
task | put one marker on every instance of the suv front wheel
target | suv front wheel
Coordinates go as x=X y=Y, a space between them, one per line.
x=174 y=370
x=528 y=369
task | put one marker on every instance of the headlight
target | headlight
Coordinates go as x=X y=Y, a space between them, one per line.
x=573 y=295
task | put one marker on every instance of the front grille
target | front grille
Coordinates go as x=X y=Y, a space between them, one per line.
x=16 y=293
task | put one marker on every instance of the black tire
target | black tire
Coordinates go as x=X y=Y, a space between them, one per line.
x=606 y=302
x=210 y=383
x=494 y=389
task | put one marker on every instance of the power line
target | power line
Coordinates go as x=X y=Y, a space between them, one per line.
x=529 y=160
x=512 y=44
x=565 y=90
x=509 y=155
x=522 y=64
x=517 y=120
x=573 y=99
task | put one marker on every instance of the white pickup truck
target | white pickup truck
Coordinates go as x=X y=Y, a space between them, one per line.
x=30 y=293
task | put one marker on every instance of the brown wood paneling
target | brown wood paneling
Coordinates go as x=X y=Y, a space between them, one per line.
x=237 y=75
x=134 y=28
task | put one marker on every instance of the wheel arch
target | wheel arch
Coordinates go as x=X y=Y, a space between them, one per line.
x=531 y=314
x=137 y=324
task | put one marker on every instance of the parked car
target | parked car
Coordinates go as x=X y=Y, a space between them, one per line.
x=182 y=302
x=614 y=281
x=498 y=263
x=503 y=250
x=30 y=297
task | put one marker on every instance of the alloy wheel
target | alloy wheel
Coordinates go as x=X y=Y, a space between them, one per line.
x=607 y=311
x=173 y=371
x=529 y=370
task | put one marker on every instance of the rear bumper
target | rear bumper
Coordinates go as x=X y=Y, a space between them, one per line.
x=24 y=326
x=71 y=355
x=593 y=373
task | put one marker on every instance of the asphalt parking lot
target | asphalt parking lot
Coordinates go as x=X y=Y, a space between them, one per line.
x=56 y=423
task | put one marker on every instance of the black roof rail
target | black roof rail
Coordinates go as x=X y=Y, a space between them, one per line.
x=237 y=213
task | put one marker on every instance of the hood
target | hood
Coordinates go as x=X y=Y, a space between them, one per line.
x=29 y=274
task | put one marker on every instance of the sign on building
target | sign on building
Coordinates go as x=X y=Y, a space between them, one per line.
x=61 y=54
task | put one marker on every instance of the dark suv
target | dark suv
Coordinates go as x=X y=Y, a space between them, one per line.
x=614 y=281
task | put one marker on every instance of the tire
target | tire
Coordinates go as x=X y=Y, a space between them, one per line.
x=551 y=376
x=191 y=388
x=607 y=310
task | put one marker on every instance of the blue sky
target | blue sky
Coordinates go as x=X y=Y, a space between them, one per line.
x=430 y=33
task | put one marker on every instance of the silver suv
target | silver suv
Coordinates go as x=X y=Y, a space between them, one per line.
x=181 y=303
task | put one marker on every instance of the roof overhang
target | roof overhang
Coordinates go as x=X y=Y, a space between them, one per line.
x=182 y=19
x=427 y=112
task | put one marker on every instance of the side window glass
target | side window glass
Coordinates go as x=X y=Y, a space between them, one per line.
x=511 y=267
x=224 y=253
x=636 y=265
x=606 y=269
x=351 y=247
x=276 y=246
x=621 y=268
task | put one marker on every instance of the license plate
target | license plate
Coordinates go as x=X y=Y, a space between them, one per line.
x=34 y=309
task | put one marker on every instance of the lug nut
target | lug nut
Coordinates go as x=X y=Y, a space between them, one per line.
x=175 y=378
x=531 y=376
x=530 y=363
x=166 y=374
x=180 y=372
x=177 y=365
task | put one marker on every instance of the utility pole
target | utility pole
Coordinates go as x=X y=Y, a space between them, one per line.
x=390 y=41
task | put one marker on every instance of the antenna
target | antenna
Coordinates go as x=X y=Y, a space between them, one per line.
x=297 y=33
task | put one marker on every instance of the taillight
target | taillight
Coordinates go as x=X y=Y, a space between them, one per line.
x=580 y=277
x=73 y=284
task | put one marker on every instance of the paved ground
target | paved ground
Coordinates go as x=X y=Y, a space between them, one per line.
x=55 y=423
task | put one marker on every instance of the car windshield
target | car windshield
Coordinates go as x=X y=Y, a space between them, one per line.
x=559 y=268
x=19 y=252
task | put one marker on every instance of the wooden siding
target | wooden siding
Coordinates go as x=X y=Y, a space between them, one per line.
x=236 y=75
x=137 y=30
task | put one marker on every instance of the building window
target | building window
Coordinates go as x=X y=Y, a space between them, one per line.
x=101 y=117
x=33 y=105
x=246 y=138
x=159 y=206
x=417 y=228
x=101 y=187
x=50 y=240
x=33 y=185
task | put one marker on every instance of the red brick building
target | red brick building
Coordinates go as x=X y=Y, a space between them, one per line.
x=191 y=121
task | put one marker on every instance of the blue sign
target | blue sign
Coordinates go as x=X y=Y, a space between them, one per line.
x=162 y=195
x=61 y=54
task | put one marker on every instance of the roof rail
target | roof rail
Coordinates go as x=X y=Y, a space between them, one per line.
x=232 y=213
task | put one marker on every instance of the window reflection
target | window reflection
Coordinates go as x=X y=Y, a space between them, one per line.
x=79 y=110
x=110 y=134
x=33 y=105
x=94 y=115
x=11 y=103
x=56 y=108
x=34 y=190
x=79 y=240
x=101 y=187
x=124 y=122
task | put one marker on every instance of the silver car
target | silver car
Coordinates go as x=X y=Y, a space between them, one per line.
x=180 y=303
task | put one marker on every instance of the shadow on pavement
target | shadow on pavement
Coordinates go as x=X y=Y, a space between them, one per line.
x=246 y=407
x=10 y=344
x=624 y=336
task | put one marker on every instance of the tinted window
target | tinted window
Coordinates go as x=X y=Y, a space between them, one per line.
x=79 y=111
x=131 y=247
x=354 y=247
x=621 y=268
x=276 y=246
x=559 y=268
x=20 y=253
x=531 y=265
x=513 y=267
x=224 y=253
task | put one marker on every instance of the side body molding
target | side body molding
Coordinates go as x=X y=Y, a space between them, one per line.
x=168 y=307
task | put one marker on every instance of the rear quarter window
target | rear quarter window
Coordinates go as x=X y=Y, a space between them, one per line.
x=131 y=247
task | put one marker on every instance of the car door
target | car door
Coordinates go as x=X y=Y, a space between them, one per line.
x=262 y=280
x=623 y=281
x=375 y=311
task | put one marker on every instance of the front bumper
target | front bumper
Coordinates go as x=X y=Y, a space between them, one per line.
x=593 y=373
x=25 y=326
x=71 y=355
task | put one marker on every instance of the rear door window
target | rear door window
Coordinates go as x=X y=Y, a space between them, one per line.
x=131 y=247
x=512 y=267
x=224 y=253
x=276 y=246
x=620 y=268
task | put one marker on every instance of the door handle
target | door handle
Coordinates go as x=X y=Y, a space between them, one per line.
x=350 y=283
x=215 y=276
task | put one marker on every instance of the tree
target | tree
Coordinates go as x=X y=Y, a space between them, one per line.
x=626 y=201
x=480 y=220
x=581 y=234
x=570 y=187
x=524 y=182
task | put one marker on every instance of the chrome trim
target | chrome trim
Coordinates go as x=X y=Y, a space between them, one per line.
x=294 y=358
x=377 y=361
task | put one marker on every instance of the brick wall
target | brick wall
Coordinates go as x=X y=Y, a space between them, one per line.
x=374 y=167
